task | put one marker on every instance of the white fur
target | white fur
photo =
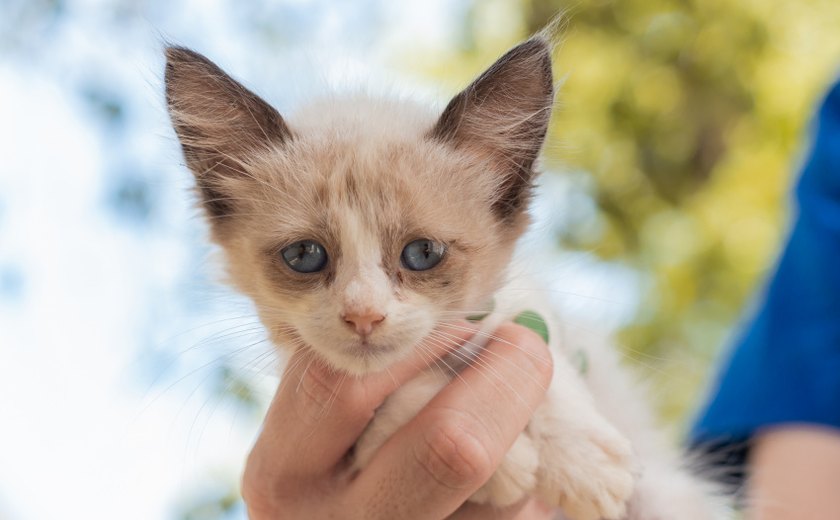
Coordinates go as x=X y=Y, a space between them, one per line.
x=591 y=448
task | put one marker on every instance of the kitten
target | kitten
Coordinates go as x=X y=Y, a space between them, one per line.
x=359 y=225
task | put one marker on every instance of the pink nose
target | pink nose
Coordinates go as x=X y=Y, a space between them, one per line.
x=363 y=322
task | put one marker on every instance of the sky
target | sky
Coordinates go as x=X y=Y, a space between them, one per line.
x=119 y=350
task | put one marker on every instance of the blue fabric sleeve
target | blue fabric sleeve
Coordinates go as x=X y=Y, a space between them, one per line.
x=785 y=366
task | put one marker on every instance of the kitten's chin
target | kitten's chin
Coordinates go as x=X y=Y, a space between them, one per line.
x=365 y=358
x=356 y=358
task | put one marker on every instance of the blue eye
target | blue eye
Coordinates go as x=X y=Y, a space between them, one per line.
x=422 y=254
x=305 y=256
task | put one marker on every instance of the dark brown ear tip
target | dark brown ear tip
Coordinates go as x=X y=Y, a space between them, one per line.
x=533 y=54
x=538 y=44
x=182 y=62
x=543 y=50
x=536 y=48
x=176 y=54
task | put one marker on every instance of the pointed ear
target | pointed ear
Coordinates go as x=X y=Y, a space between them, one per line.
x=503 y=117
x=218 y=121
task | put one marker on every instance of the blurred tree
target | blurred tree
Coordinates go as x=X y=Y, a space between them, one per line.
x=683 y=116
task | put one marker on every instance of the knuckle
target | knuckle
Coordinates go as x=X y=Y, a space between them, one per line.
x=454 y=457
x=258 y=496
x=266 y=489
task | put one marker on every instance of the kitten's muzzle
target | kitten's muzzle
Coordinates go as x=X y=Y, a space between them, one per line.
x=363 y=322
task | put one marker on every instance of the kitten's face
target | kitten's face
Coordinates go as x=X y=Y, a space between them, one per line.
x=360 y=225
x=363 y=196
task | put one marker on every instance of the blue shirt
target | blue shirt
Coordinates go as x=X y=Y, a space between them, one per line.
x=785 y=366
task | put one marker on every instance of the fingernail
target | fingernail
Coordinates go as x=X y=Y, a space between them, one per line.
x=533 y=321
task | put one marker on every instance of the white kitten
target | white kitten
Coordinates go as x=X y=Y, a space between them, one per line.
x=358 y=225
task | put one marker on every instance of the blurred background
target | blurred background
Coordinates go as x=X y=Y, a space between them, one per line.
x=132 y=382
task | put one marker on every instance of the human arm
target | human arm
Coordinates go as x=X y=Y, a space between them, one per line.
x=795 y=474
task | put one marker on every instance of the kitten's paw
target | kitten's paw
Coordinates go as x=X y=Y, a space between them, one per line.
x=589 y=475
x=515 y=478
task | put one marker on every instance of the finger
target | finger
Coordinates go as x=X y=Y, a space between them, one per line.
x=317 y=414
x=453 y=446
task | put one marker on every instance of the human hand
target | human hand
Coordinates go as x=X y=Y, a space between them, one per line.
x=428 y=469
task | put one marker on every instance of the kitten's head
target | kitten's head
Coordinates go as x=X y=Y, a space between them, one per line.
x=359 y=225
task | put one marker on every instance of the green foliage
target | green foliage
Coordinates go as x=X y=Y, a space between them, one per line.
x=684 y=117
